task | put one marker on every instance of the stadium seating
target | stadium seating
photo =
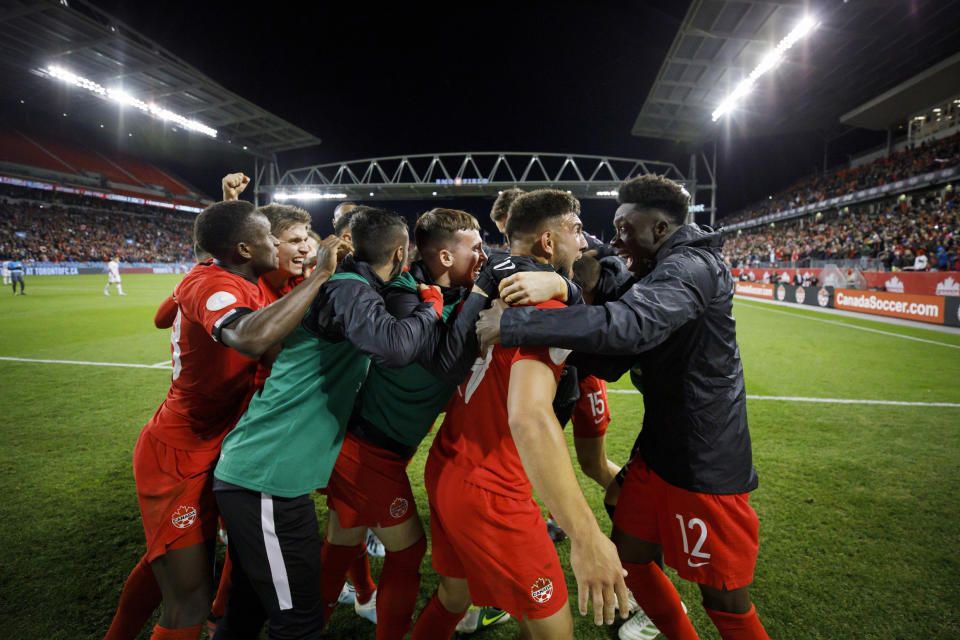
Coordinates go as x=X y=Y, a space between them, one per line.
x=65 y=228
x=16 y=148
x=938 y=154
x=127 y=174
x=894 y=234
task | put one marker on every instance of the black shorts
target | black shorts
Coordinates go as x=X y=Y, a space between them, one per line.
x=275 y=545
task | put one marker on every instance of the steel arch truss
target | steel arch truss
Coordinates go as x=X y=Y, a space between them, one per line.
x=485 y=173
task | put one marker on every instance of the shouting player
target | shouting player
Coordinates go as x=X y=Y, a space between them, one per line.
x=286 y=443
x=218 y=333
x=499 y=440
x=395 y=410
x=687 y=487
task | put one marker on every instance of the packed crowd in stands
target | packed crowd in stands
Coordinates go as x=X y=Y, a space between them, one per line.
x=52 y=230
x=925 y=157
x=894 y=232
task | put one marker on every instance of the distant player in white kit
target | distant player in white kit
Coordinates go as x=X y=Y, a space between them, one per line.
x=113 y=277
x=5 y=272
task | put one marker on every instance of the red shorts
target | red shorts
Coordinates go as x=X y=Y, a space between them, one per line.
x=709 y=539
x=499 y=544
x=369 y=486
x=174 y=488
x=591 y=415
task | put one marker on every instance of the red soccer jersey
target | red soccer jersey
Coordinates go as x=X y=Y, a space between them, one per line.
x=475 y=434
x=211 y=383
x=269 y=295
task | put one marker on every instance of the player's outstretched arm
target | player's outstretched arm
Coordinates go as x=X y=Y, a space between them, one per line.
x=643 y=317
x=546 y=460
x=456 y=347
x=254 y=333
x=389 y=341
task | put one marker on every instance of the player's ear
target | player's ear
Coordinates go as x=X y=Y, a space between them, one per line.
x=446 y=258
x=243 y=250
x=546 y=243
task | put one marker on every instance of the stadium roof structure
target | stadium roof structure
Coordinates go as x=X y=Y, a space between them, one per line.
x=939 y=82
x=35 y=34
x=860 y=49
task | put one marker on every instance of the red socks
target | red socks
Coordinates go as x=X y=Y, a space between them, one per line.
x=186 y=633
x=219 y=606
x=334 y=560
x=660 y=600
x=359 y=573
x=140 y=598
x=435 y=622
x=738 y=626
x=399 y=584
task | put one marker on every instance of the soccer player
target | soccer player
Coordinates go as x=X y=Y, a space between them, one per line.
x=113 y=277
x=4 y=271
x=499 y=440
x=396 y=408
x=15 y=267
x=687 y=487
x=218 y=333
x=287 y=441
x=501 y=208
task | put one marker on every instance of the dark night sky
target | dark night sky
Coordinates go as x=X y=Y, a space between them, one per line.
x=468 y=76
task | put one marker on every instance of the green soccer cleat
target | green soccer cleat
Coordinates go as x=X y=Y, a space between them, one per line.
x=478 y=618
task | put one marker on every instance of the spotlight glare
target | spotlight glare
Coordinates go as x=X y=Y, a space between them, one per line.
x=307 y=195
x=769 y=62
x=122 y=97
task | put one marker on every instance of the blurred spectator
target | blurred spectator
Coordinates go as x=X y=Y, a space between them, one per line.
x=926 y=157
x=894 y=234
x=35 y=231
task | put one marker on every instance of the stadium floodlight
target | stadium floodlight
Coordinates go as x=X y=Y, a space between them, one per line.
x=307 y=195
x=122 y=97
x=769 y=62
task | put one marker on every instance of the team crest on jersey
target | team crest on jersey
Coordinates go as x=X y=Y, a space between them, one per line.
x=184 y=517
x=542 y=590
x=219 y=300
x=398 y=508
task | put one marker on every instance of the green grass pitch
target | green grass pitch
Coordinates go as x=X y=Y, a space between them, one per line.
x=859 y=505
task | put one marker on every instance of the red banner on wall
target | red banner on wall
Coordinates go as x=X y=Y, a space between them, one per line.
x=921 y=283
x=898 y=305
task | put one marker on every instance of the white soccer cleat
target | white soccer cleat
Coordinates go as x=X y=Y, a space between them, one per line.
x=367 y=610
x=348 y=595
x=640 y=626
x=375 y=548
x=634 y=606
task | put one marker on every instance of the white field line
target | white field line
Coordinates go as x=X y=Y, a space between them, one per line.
x=166 y=365
x=830 y=400
x=847 y=325
x=163 y=365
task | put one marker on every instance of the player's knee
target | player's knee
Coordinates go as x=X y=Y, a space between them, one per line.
x=453 y=594
x=733 y=601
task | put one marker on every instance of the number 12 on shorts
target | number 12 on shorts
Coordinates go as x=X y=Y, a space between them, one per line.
x=696 y=552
